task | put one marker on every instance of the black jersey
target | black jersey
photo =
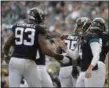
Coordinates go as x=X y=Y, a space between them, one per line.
x=85 y=51
x=40 y=58
x=26 y=40
x=105 y=46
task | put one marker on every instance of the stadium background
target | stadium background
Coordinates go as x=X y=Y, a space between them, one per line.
x=60 y=19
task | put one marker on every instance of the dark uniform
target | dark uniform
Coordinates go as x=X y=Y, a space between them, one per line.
x=26 y=40
x=87 y=56
x=105 y=46
x=90 y=48
x=22 y=63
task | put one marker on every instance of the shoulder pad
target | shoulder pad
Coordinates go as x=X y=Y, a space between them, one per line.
x=89 y=35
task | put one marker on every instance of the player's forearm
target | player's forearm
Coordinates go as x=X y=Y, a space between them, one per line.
x=45 y=49
x=96 y=49
x=90 y=67
x=6 y=50
x=8 y=44
x=49 y=52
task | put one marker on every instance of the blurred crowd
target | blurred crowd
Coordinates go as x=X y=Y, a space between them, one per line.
x=60 y=16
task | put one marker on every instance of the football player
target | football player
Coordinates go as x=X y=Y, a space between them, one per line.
x=68 y=43
x=104 y=36
x=92 y=70
x=72 y=52
x=105 y=39
x=25 y=39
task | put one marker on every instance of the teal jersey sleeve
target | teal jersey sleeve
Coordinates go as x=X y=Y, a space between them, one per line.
x=93 y=39
x=90 y=37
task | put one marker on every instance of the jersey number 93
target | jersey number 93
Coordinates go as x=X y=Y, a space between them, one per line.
x=29 y=34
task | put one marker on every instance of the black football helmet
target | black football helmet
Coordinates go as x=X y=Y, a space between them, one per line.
x=98 y=24
x=37 y=15
x=82 y=24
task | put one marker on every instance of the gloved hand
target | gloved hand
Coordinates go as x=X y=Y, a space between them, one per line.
x=58 y=57
x=75 y=72
x=7 y=58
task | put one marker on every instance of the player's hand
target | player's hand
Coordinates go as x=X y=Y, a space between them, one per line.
x=59 y=57
x=7 y=58
x=63 y=37
x=61 y=43
x=59 y=50
x=88 y=73
x=75 y=72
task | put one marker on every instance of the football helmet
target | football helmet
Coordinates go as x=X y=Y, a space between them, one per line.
x=98 y=24
x=37 y=15
x=82 y=24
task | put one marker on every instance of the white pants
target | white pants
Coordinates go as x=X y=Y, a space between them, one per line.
x=44 y=76
x=23 y=67
x=97 y=79
x=66 y=78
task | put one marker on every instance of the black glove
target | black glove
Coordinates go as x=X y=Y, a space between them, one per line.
x=75 y=72
x=58 y=57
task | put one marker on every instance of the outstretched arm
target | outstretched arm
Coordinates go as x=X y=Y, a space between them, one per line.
x=46 y=50
x=96 y=49
x=7 y=45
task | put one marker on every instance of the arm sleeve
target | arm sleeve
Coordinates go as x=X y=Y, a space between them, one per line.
x=96 y=49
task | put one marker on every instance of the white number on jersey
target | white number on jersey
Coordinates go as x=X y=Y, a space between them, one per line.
x=71 y=42
x=21 y=31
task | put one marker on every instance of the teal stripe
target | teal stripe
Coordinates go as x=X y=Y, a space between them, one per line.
x=93 y=40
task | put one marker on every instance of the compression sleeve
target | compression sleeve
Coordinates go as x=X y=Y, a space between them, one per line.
x=96 y=49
